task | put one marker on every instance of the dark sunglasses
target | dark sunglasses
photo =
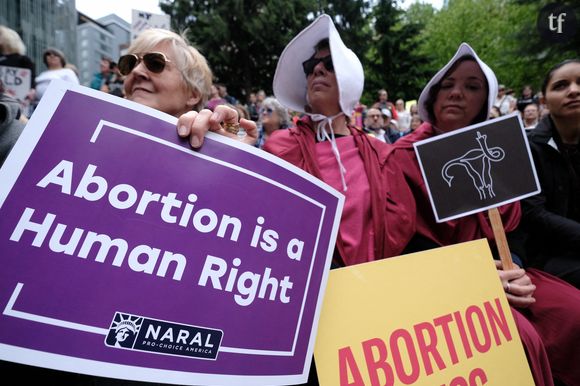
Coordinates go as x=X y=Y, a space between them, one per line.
x=267 y=111
x=308 y=65
x=154 y=61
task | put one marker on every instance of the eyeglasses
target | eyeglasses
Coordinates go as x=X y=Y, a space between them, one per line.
x=154 y=61
x=267 y=111
x=308 y=65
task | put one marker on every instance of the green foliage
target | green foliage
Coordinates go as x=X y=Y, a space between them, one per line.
x=400 y=50
x=393 y=61
x=241 y=39
x=504 y=34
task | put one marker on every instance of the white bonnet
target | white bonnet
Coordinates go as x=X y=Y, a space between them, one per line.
x=290 y=82
x=463 y=50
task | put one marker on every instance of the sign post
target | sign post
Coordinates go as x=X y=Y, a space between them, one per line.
x=500 y=239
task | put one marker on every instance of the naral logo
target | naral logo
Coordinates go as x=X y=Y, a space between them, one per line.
x=135 y=332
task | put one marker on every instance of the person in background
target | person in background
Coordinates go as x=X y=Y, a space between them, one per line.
x=392 y=129
x=526 y=98
x=55 y=62
x=13 y=54
x=530 y=116
x=552 y=218
x=494 y=112
x=384 y=103
x=415 y=122
x=11 y=124
x=546 y=309
x=358 y=115
x=252 y=107
x=103 y=77
x=274 y=117
x=223 y=91
x=404 y=117
x=215 y=99
x=414 y=109
x=504 y=101
x=260 y=96
x=114 y=85
x=543 y=109
x=374 y=124
x=242 y=111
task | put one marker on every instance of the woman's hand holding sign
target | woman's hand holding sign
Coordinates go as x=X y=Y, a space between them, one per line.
x=517 y=285
x=224 y=120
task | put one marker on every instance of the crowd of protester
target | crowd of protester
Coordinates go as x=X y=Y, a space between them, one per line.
x=395 y=121
x=366 y=152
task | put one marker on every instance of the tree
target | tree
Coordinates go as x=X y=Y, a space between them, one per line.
x=504 y=34
x=393 y=61
x=540 y=55
x=241 y=39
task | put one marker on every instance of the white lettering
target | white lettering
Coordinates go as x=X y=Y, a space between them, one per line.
x=56 y=244
x=168 y=335
x=24 y=224
x=153 y=332
x=54 y=177
x=247 y=284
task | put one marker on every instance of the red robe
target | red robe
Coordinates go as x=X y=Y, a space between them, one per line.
x=376 y=190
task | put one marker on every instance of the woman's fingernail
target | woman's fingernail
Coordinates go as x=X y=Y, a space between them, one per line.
x=182 y=130
x=215 y=117
x=195 y=142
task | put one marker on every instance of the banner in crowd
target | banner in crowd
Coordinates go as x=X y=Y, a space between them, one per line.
x=478 y=167
x=127 y=254
x=438 y=317
x=16 y=81
x=141 y=20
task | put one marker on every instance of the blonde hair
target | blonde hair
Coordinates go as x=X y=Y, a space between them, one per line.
x=189 y=61
x=10 y=42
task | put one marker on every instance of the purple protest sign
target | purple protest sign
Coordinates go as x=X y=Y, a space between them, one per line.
x=128 y=255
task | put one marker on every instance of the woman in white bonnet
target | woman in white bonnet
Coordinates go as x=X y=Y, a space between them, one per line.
x=317 y=75
x=546 y=309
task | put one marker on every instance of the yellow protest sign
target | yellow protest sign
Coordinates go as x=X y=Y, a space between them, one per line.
x=438 y=317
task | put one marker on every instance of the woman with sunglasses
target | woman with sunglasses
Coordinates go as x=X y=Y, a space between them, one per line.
x=273 y=116
x=163 y=71
x=546 y=310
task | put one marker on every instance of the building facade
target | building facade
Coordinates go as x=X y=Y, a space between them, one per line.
x=108 y=36
x=42 y=24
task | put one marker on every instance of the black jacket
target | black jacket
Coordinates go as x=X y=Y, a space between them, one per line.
x=550 y=232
